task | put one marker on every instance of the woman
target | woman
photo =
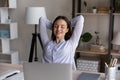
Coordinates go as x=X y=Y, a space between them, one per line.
x=63 y=43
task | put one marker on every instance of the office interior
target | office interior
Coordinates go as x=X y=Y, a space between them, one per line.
x=103 y=21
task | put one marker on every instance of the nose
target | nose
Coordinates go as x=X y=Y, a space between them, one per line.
x=58 y=28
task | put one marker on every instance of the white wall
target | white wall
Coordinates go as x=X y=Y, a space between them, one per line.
x=53 y=9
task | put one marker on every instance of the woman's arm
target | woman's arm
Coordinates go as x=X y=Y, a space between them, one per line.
x=77 y=23
x=44 y=23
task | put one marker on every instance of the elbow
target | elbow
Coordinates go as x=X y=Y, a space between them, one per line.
x=81 y=18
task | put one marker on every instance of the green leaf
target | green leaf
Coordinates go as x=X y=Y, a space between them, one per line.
x=86 y=37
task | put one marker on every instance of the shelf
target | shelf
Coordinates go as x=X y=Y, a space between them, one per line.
x=8 y=31
x=8 y=4
x=12 y=4
x=101 y=14
x=7 y=23
x=115 y=53
x=92 y=52
x=5 y=45
x=8 y=7
x=103 y=21
x=11 y=28
x=87 y=51
x=10 y=57
x=116 y=14
x=8 y=53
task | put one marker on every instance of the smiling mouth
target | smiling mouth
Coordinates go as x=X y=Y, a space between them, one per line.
x=58 y=32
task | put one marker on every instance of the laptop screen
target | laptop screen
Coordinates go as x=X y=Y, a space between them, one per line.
x=39 y=71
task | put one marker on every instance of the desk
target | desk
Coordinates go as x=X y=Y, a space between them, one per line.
x=77 y=73
x=4 y=66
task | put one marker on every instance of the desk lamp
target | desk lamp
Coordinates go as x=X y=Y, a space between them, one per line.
x=33 y=15
x=116 y=40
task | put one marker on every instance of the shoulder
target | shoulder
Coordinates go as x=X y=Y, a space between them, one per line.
x=43 y=19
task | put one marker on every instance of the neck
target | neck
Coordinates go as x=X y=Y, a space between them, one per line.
x=59 y=40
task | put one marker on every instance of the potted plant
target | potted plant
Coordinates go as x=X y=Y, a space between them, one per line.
x=84 y=39
x=94 y=9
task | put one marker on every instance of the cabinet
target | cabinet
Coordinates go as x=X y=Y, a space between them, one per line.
x=8 y=32
x=103 y=21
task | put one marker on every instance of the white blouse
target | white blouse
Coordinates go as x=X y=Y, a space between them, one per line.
x=64 y=51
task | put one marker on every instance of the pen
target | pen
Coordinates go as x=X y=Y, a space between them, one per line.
x=106 y=64
x=114 y=62
x=111 y=62
x=11 y=75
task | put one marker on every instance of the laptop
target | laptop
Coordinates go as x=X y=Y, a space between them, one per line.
x=47 y=71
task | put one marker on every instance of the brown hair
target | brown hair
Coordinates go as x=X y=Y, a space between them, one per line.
x=68 y=34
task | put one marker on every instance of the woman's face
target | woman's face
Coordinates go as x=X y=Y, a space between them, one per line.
x=60 y=28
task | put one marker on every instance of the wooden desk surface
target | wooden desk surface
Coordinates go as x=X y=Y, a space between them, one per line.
x=5 y=66
x=102 y=75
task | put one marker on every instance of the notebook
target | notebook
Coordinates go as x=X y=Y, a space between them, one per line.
x=18 y=76
x=89 y=76
x=39 y=71
x=4 y=74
